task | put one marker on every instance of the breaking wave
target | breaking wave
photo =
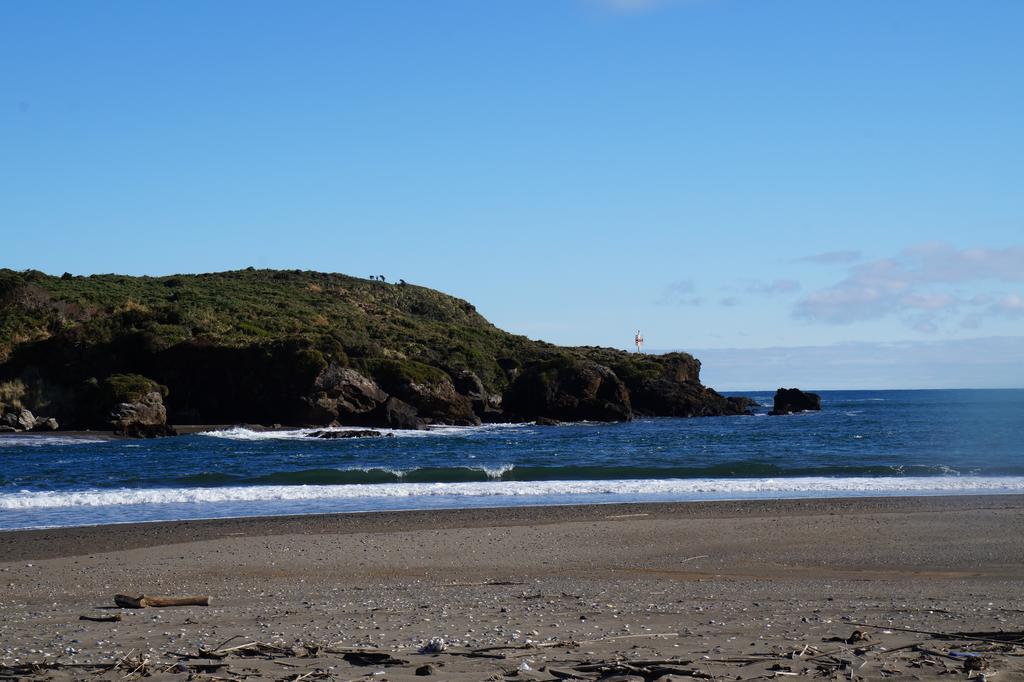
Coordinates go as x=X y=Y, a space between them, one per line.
x=354 y=476
x=43 y=441
x=365 y=475
x=243 y=433
x=691 y=489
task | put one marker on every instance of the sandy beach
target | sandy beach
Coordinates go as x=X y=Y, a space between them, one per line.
x=829 y=589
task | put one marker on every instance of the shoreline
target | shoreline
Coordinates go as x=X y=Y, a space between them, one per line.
x=721 y=590
x=66 y=541
x=319 y=501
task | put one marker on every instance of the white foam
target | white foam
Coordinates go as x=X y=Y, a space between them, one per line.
x=246 y=434
x=678 y=488
x=495 y=472
x=38 y=441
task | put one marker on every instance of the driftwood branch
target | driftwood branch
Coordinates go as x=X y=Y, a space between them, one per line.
x=994 y=638
x=142 y=601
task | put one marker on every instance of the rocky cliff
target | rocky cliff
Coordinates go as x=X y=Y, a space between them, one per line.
x=304 y=348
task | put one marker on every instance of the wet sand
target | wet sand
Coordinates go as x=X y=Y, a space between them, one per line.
x=723 y=590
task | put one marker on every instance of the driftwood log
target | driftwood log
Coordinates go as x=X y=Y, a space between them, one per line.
x=142 y=601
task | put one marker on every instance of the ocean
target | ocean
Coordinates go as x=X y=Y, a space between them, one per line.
x=862 y=443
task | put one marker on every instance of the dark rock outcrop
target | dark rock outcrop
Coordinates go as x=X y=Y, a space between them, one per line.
x=664 y=385
x=261 y=383
x=134 y=405
x=343 y=395
x=46 y=424
x=440 y=403
x=20 y=420
x=23 y=420
x=428 y=390
x=790 y=400
x=143 y=418
x=468 y=384
x=665 y=398
x=742 y=404
x=485 y=405
x=396 y=414
x=568 y=389
x=353 y=433
x=680 y=368
x=510 y=366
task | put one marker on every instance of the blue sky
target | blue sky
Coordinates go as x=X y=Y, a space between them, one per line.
x=722 y=174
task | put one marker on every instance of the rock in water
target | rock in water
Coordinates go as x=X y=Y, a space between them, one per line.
x=145 y=418
x=790 y=400
x=743 y=404
x=354 y=433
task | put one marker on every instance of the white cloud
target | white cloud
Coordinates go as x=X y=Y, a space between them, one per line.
x=682 y=286
x=779 y=286
x=681 y=292
x=1009 y=305
x=735 y=295
x=938 y=262
x=994 y=362
x=832 y=257
x=915 y=285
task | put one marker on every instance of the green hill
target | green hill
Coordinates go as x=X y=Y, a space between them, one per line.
x=266 y=345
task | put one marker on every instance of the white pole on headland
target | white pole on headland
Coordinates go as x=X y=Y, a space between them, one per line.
x=639 y=341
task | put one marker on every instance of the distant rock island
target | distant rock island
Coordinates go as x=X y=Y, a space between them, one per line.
x=135 y=354
x=790 y=400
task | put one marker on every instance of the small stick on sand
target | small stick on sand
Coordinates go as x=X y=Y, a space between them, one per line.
x=102 y=619
x=640 y=636
x=491 y=583
x=596 y=667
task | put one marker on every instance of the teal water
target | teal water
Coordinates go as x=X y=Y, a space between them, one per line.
x=862 y=443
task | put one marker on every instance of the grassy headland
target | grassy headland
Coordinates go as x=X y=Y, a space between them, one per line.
x=249 y=345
